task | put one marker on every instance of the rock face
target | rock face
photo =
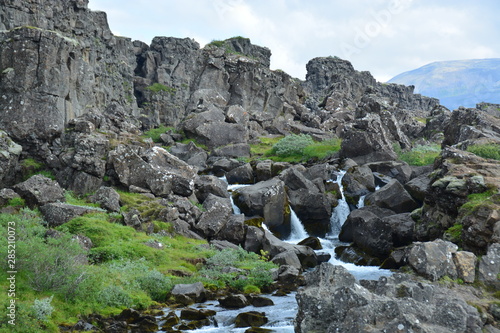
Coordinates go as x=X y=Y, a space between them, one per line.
x=9 y=159
x=40 y=190
x=57 y=63
x=333 y=301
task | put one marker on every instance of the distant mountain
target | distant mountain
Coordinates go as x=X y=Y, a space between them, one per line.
x=456 y=83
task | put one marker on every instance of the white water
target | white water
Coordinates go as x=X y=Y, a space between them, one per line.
x=298 y=232
x=361 y=202
x=341 y=211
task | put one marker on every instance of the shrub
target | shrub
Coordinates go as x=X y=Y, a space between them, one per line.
x=158 y=87
x=114 y=296
x=42 y=309
x=292 y=145
x=486 y=150
x=155 y=133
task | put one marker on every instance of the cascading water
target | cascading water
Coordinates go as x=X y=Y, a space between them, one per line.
x=341 y=211
x=361 y=202
x=298 y=232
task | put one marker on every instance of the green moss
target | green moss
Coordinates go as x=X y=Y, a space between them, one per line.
x=486 y=151
x=16 y=202
x=155 y=133
x=157 y=88
x=477 y=200
x=454 y=234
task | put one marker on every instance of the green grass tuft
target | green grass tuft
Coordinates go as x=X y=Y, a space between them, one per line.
x=419 y=155
x=486 y=151
x=155 y=133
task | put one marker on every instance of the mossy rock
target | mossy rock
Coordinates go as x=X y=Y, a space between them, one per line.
x=255 y=221
x=251 y=319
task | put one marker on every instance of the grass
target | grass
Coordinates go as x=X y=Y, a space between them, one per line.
x=155 y=133
x=419 y=155
x=157 y=88
x=478 y=200
x=491 y=151
x=294 y=148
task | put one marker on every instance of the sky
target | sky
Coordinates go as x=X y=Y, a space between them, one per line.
x=385 y=37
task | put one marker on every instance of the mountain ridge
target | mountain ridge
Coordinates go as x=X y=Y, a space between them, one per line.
x=456 y=82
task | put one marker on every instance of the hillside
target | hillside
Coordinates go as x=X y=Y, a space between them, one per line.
x=456 y=83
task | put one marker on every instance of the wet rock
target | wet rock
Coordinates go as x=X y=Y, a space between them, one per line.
x=187 y=294
x=59 y=213
x=196 y=314
x=358 y=181
x=39 y=190
x=392 y=196
x=237 y=301
x=313 y=242
x=108 y=198
x=358 y=218
x=433 y=260
x=251 y=318
x=260 y=301
x=274 y=246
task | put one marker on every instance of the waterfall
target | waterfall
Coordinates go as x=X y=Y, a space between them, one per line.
x=361 y=202
x=341 y=211
x=298 y=232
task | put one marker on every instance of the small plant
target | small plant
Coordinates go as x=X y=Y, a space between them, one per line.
x=155 y=133
x=42 y=309
x=16 y=202
x=486 y=151
x=292 y=145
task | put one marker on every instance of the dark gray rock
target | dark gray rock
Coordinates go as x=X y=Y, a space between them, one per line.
x=7 y=194
x=333 y=301
x=59 y=213
x=241 y=175
x=392 y=196
x=205 y=185
x=288 y=258
x=234 y=231
x=187 y=294
x=394 y=169
x=418 y=187
x=359 y=217
x=9 y=160
x=402 y=226
x=266 y=199
x=264 y=170
x=433 y=260
x=40 y=190
x=216 y=215
x=253 y=240
x=191 y=154
x=108 y=198
x=236 y=301
x=489 y=266
x=233 y=150
x=275 y=246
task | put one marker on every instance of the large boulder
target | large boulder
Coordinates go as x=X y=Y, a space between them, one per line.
x=489 y=266
x=419 y=186
x=394 y=169
x=40 y=190
x=358 y=181
x=433 y=260
x=187 y=294
x=234 y=231
x=274 y=246
x=215 y=217
x=108 y=198
x=392 y=196
x=191 y=154
x=58 y=213
x=266 y=199
x=333 y=301
x=310 y=202
x=241 y=175
x=206 y=185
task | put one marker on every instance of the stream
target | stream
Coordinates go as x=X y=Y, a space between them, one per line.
x=282 y=314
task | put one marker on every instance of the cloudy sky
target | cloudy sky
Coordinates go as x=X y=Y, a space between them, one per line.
x=385 y=37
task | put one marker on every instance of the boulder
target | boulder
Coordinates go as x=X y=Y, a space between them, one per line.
x=433 y=260
x=419 y=186
x=7 y=194
x=332 y=301
x=274 y=246
x=191 y=154
x=394 y=169
x=234 y=231
x=196 y=314
x=236 y=301
x=313 y=242
x=250 y=319
x=402 y=226
x=206 y=184
x=107 y=198
x=216 y=215
x=489 y=266
x=465 y=262
x=358 y=181
x=253 y=240
x=40 y=190
x=187 y=294
x=288 y=258
x=241 y=175
x=358 y=218
x=266 y=199
x=58 y=213
x=223 y=165
x=263 y=170
x=222 y=245
x=233 y=150
x=288 y=274
x=392 y=196
x=260 y=301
